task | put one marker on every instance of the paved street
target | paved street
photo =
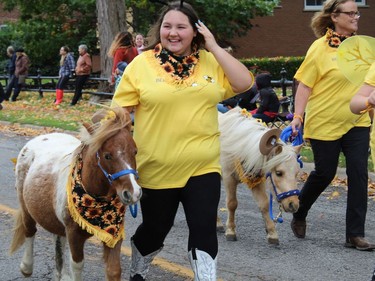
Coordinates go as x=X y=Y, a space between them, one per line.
x=321 y=256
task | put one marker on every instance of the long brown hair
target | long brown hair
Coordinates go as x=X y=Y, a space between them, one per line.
x=62 y=59
x=122 y=39
x=186 y=9
x=322 y=19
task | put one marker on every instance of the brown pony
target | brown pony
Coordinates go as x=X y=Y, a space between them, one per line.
x=76 y=189
x=252 y=154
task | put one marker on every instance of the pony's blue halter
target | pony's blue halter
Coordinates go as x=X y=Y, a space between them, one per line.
x=279 y=197
x=111 y=178
x=285 y=136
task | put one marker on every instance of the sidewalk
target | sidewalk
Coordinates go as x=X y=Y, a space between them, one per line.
x=341 y=172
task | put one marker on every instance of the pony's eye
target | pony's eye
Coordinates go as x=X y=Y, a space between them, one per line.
x=107 y=156
x=279 y=173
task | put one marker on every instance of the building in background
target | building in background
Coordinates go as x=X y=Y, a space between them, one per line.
x=288 y=32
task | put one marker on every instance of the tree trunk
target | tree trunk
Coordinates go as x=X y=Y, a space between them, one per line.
x=111 y=20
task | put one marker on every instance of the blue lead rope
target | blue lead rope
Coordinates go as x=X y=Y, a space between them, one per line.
x=286 y=136
x=133 y=210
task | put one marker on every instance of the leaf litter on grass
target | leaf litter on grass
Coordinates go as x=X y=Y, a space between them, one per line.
x=34 y=107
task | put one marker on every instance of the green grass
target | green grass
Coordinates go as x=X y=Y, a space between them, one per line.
x=307 y=156
x=31 y=109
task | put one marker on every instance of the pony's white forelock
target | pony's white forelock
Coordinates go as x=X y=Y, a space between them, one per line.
x=240 y=136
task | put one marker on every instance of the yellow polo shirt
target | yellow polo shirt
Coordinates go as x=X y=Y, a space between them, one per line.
x=176 y=126
x=328 y=116
x=370 y=76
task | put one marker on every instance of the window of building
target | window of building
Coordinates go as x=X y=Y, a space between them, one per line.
x=316 y=5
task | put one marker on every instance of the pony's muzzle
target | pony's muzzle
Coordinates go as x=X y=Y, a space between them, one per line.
x=290 y=204
x=129 y=198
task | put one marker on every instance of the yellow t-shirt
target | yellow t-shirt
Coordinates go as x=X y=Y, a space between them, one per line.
x=328 y=116
x=176 y=126
x=370 y=76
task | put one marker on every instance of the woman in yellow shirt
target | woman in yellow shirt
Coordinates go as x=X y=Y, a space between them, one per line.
x=174 y=86
x=323 y=95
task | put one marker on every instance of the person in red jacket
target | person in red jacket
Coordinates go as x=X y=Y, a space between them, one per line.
x=82 y=70
x=21 y=71
x=122 y=49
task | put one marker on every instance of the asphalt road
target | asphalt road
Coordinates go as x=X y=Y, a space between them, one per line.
x=320 y=256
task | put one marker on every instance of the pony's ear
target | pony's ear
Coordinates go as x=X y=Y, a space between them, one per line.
x=298 y=148
x=276 y=150
x=269 y=141
x=88 y=127
x=97 y=117
x=128 y=117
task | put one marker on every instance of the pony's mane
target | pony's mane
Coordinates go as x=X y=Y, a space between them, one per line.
x=110 y=122
x=240 y=135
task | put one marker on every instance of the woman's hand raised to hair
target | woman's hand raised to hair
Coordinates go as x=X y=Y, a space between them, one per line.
x=210 y=42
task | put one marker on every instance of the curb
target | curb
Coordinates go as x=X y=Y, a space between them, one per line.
x=341 y=172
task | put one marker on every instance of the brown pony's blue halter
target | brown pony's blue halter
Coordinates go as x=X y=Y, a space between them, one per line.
x=111 y=178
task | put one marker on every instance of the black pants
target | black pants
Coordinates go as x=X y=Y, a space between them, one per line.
x=2 y=93
x=61 y=83
x=200 y=199
x=10 y=86
x=354 y=144
x=80 y=82
x=17 y=89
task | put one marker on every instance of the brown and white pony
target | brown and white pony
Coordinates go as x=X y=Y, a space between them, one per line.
x=61 y=181
x=251 y=153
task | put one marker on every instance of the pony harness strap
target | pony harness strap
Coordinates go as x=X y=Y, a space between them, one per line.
x=250 y=180
x=99 y=216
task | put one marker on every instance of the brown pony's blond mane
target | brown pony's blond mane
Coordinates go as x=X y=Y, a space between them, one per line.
x=107 y=123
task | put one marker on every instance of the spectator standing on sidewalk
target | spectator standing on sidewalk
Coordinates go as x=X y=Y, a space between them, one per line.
x=67 y=66
x=324 y=95
x=82 y=71
x=139 y=43
x=21 y=72
x=11 y=66
x=122 y=49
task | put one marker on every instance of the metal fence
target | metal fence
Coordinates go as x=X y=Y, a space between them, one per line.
x=41 y=84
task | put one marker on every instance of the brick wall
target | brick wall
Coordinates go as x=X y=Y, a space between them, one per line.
x=8 y=16
x=288 y=32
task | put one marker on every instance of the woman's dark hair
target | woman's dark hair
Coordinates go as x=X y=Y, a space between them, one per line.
x=122 y=39
x=186 y=9
x=66 y=49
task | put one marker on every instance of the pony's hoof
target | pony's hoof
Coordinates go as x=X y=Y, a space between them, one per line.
x=273 y=241
x=26 y=269
x=231 y=237
x=220 y=229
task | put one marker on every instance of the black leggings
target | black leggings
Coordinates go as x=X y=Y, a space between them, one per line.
x=200 y=199
x=61 y=84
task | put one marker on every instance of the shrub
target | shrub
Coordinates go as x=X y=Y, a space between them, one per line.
x=274 y=66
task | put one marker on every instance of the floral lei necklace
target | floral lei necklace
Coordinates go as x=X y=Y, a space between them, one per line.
x=180 y=68
x=334 y=39
x=103 y=217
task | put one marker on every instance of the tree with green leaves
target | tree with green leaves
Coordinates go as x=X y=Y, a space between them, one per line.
x=45 y=26
x=225 y=18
